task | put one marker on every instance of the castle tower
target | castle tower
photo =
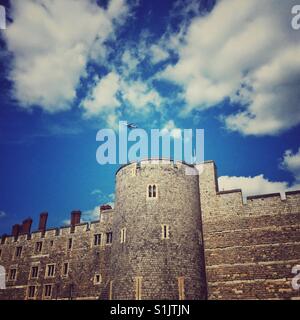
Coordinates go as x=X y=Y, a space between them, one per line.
x=157 y=251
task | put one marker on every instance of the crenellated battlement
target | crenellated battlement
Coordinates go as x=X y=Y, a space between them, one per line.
x=215 y=202
x=164 y=220
x=251 y=243
x=62 y=231
x=137 y=167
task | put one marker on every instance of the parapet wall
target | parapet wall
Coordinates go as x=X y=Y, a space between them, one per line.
x=250 y=248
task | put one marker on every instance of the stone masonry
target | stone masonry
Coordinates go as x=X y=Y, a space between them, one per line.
x=170 y=236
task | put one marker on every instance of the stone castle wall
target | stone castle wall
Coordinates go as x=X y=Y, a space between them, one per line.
x=217 y=244
x=85 y=261
x=250 y=248
x=158 y=262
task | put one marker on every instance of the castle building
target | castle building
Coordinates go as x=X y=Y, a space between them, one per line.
x=171 y=235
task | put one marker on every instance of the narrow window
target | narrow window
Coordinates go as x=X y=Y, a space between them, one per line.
x=154 y=191
x=0 y=253
x=123 y=235
x=138 y=288
x=51 y=243
x=50 y=272
x=111 y=290
x=181 y=288
x=70 y=243
x=12 y=274
x=38 y=247
x=34 y=272
x=65 y=269
x=165 y=233
x=31 y=291
x=150 y=191
x=108 y=237
x=48 y=291
x=97 y=239
x=97 y=279
x=18 y=251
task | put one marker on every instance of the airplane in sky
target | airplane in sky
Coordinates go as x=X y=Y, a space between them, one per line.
x=131 y=125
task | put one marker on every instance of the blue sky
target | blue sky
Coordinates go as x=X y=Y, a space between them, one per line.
x=70 y=68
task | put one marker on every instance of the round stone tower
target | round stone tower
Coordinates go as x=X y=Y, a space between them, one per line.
x=157 y=249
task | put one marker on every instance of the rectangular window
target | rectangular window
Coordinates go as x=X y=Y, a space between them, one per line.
x=154 y=191
x=0 y=253
x=97 y=279
x=18 y=251
x=34 y=272
x=108 y=237
x=165 y=232
x=50 y=271
x=48 y=291
x=12 y=274
x=123 y=235
x=70 y=243
x=31 y=291
x=111 y=290
x=149 y=191
x=38 y=247
x=65 y=269
x=97 y=239
x=181 y=288
x=138 y=288
x=51 y=243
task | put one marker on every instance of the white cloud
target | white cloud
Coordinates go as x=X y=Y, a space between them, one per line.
x=252 y=185
x=96 y=192
x=130 y=63
x=261 y=185
x=255 y=185
x=140 y=96
x=103 y=197
x=245 y=50
x=158 y=54
x=91 y=215
x=66 y=222
x=275 y=100
x=94 y=214
x=103 y=98
x=291 y=162
x=2 y=214
x=171 y=128
x=112 y=196
x=51 y=42
x=86 y=216
x=117 y=10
